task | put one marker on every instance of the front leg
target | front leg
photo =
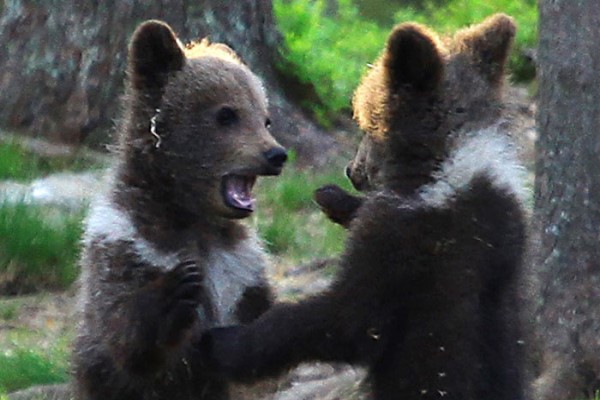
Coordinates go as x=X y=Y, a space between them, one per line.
x=316 y=329
x=339 y=206
x=160 y=317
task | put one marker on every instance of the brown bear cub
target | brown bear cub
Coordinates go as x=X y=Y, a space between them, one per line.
x=165 y=256
x=426 y=292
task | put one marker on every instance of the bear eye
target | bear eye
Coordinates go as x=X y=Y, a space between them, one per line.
x=227 y=116
x=268 y=123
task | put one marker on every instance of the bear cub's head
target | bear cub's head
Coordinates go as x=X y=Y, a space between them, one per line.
x=422 y=94
x=196 y=131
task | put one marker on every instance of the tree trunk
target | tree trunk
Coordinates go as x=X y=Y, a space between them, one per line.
x=62 y=62
x=567 y=205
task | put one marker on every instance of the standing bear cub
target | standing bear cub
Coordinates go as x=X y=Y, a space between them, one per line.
x=165 y=256
x=426 y=293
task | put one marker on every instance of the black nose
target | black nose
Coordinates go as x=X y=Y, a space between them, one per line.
x=276 y=157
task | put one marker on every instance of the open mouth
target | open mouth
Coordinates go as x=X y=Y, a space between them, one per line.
x=237 y=191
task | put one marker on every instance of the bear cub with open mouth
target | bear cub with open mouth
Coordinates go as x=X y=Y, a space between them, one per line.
x=165 y=256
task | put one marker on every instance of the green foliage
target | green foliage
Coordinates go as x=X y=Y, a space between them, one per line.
x=329 y=53
x=20 y=368
x=19 y=164
x=37 y=352
x=37 y=249
x=8 y=311
x=289 y=220
x=12 y=162
x=329 y=47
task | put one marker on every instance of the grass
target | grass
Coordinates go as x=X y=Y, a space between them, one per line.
x=26 y=367
x=328 y=51
x=18 y=164
x=38 y=245
x=290 y=222
x=8 y=311
x=37 y=249
x=24 y=362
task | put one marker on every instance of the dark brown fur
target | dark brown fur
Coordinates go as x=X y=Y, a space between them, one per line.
x=165 y=256
x=426 y=294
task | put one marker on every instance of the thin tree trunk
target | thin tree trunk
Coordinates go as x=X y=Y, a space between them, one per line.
x=567 y=202
x=62 y=62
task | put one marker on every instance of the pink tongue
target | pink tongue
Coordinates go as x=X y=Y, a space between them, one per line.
x=238 y=190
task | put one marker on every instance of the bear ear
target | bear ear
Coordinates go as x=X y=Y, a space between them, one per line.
x=412 y=58
x=489 y=43
x=154 y=51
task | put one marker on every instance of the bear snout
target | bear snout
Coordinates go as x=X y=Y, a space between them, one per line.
x=357 y=177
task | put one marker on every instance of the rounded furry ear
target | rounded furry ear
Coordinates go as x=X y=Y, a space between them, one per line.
x=154 y=51
x=489 y=43
x=412 y=58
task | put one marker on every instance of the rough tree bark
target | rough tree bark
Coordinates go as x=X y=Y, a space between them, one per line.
x=568 y=200
x=62 y=62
